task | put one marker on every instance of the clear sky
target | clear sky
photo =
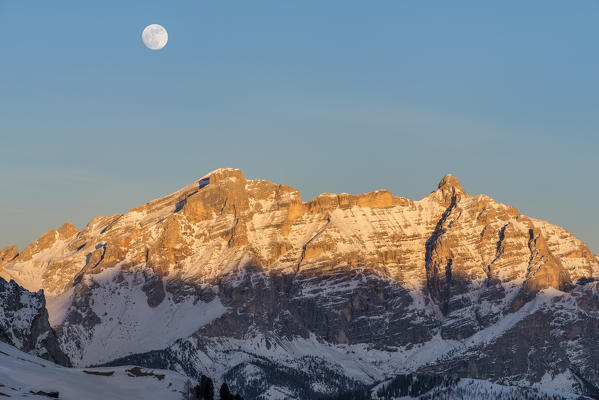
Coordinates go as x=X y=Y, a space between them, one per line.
x=337 y=96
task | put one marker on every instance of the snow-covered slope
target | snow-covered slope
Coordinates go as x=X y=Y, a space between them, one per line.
x=23 y=375
x=241 y=278
x=128 y=324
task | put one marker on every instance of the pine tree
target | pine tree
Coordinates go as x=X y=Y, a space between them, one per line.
x=205 y=390
x=225 y=393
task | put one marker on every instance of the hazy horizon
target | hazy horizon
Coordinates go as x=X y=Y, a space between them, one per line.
x=335 y=97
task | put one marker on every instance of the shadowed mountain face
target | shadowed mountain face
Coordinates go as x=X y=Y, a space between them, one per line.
x=241 y=279
x=24 y=323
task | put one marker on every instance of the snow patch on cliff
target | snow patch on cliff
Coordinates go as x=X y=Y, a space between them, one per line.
x=129 y=325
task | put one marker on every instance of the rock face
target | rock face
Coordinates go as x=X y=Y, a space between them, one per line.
x=242 y=279
x=24 y=323
x=8 y=254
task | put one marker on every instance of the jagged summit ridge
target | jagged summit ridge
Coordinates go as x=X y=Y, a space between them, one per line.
x=271 y=225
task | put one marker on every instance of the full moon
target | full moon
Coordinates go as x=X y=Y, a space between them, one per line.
x=154 y=37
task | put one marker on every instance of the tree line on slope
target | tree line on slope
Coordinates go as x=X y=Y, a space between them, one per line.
x=435 y=387
x=205 y=391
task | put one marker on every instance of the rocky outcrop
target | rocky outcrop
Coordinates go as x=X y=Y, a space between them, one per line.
x=375 y=281
x=8 y=254
x=49 y=239
x=24 y=323
x=555 y=337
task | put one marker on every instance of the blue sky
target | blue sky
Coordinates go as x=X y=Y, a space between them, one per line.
x=337 y=96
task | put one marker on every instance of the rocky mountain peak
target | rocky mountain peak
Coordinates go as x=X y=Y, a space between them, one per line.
x=449 y=191
x=451 y=183
x=67 y=230
x=222 y=174
x=7 y=254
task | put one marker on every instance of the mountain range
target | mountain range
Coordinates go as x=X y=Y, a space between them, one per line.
x=243 y=281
